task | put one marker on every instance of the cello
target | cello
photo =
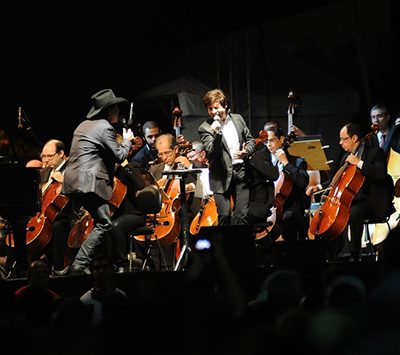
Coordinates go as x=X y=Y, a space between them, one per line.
x=332 y=217
x=168 y=221
x=84 y=223
x=206 y=217
x=39 y=227
x=283 y=185
x=168 y=227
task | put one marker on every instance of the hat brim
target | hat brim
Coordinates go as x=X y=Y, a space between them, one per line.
x=93 y=111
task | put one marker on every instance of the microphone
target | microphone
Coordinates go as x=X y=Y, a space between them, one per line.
x=20 y=125
x=130 y=120
x=217 y=118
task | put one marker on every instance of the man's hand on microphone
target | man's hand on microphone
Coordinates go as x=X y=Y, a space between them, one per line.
x=216 y=126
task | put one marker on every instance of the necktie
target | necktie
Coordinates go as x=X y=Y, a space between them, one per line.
x=382 y=141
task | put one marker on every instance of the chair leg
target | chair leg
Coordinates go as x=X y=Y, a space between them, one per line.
x=130 y=257
x=372 y=251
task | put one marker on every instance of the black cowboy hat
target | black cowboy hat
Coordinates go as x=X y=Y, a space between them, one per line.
x=103 y=99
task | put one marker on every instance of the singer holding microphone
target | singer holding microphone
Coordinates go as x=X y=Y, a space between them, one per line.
x=228 y=142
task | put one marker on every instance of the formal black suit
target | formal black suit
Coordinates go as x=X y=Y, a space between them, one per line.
x=375 y=197
x=226 y=179
x=293 y=223
x=144 y=156
x=392 y=140
x=262 y=174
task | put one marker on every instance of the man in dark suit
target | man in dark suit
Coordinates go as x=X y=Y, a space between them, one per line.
x=170 y=159
x=148 y=153
x=227 y=141
x=89 y=175
x=388 y=135
x=375 y=196
x=291 y=199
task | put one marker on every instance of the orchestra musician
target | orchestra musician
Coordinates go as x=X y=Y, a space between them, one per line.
x=388 y=135
x=374 y=198
x=89 y=175
x=168 y=153
x=148 y=153
x=52 y=166
x=227 y=141
x=54 y=160
x=262 y=176
x=293 y=171
x=128 y=216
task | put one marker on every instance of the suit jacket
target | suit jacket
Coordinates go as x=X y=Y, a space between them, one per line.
x=131 y=176
x=144 y=156
x=94 y=153
x=378 y=185
x=219 y=157
x=392 y=139
x=296 y=171
x=262 y=173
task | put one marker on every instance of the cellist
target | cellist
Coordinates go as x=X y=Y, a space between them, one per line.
x=54 y=159
x=52 y=241
x=290 y=195
x=169 y=157
x=374 y=198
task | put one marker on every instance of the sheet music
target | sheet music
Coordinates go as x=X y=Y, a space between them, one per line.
x=203 y=184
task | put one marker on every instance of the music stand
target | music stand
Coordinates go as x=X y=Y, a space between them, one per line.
x=182 y=174
x=312 y=151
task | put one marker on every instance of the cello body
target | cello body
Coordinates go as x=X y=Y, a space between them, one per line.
x=332 y=217
x=39 y=227
x=84 y=224
x=168 y=225
x=283 y=187
x=206 y=217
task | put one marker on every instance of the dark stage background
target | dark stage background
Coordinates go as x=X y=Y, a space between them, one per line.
x=55 y=55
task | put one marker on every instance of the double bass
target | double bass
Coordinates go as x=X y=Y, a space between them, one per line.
x=332 y=217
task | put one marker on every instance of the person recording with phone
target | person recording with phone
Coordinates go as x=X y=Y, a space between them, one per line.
x=228 y=142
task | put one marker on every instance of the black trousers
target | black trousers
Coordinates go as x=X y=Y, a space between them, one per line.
x=239 y=190
x=95 y=243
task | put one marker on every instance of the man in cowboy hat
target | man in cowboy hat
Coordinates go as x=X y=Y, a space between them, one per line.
x=89 y=175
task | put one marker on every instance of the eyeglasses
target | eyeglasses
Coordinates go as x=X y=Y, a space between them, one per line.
x=272 y=140
x=47 y=156
x=166 y=154
x=342 y=139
